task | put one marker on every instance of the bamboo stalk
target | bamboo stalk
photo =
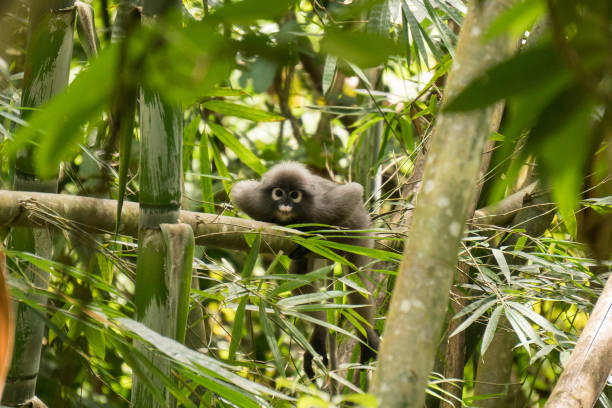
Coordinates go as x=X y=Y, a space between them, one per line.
x=47 y=67
x=419 y=299
x=165 y=248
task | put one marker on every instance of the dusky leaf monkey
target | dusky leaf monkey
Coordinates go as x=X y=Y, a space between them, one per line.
x=289 y=194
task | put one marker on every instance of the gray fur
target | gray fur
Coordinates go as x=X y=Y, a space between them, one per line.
x=322 y=202
x=334 y=204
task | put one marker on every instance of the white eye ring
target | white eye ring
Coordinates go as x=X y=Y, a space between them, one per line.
x=277 y=193
x=296 y=196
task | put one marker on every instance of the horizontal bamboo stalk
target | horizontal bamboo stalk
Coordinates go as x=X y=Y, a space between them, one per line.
x=27 y=209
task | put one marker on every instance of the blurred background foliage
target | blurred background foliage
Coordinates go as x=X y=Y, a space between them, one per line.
x=351 y=89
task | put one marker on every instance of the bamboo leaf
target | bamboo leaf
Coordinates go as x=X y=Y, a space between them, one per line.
x=95 y=341
x=189 y=133
x=360 y=74
x=380 y=254
x=222 y=169
x=301 y=280
x=417 y=36
x=269 y=333
x=536 y=318
x=475 y=305
x=473 y=317
x=222 y=92
x=490 y=329
x=208 y=196
x=329 y=71
x=241 y=111
x=237 y=328
x=499 y=82
x=251 y=258
x=448 y=37
x=225 y=390
x=295 y=333
x=501 y=261
x=520 y=323
x=193 y=359
x=244 y=154
x=84 y=99
x=517 y=19
x=357 y=46
x=322 y=323
x=292 y=301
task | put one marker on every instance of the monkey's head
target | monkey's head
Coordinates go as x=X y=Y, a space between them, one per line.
x=286 y=189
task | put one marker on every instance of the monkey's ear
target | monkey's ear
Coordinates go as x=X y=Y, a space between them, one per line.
x=248 y=196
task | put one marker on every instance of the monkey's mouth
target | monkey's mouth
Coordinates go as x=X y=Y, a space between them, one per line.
x=284 y=213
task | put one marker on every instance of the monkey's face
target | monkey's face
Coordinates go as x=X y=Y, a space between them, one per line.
x=288 y=204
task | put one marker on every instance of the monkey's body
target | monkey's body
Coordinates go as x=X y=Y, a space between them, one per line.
x=290 y=194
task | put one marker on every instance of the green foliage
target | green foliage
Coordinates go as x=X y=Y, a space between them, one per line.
x=233 y=68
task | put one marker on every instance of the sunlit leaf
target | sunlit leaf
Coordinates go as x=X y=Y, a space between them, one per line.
x=357 y=47
x=244 y=154
x=242 y=111
x=329 y=70
x=517 y=19
x=57 y=126
x=542 y=63
x=489 y=332
x=270 y=338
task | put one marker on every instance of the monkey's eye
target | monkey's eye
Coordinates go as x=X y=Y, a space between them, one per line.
x=296 y=196
x=278 y=193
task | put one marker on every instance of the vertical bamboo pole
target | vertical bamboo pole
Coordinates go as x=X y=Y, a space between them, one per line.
x=420 y=295
x=47 y=67
x=165 y=248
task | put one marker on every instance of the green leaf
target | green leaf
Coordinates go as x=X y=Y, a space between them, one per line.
x=247 y=11
x=523 y=329
x=237 y=328
x=245 y=155
x=229 y=392
x=501 y=261
x=383 y=255
x=262 y=74
x=222 y=169
x=448 y=37
x=297 y=300
x=57 y=126
x=189 y=133
x=251 y=259
x=357 y=47
x=563 y=130
x=241 y=111
x=435 y=50
x=95 y=341
x=208 y=196
x=473 y=317
x=269 y=333
x=500 y=81
x=487 y=337
x=536 y=318
x=221 y=92
x=329 y=71
x=301 y=280
x=362 y=400
x=517 y=20
x=358 y=71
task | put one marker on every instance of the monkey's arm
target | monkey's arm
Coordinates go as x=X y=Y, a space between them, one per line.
x=246 y=195
x=340 y=202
